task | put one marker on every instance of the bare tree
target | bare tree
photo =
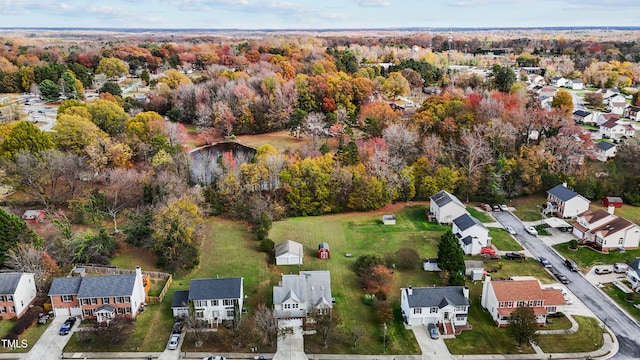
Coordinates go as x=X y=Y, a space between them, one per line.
x=357 y=332
x=401 y=145
x=197 y=326
x=314 y=125
x=474 y=154
x=266 y=325
x=324 y=323
x=123 y=189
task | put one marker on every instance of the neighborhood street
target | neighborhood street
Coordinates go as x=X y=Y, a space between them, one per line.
x=623 y=327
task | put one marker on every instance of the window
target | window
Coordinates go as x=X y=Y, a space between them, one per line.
x=417 y=310
x=521 y=303
x=3 y=309
x=621 y=241
x=214 y=302
x=200 y=303
x=87 y=312
x=538 y=302
x=84 y=301
x=510 y=304
x=120 y=311
x=501 y=304
x=12 y=309
x=323 y=311
x=66 y=298
x=200 y=314
x=3 y=298
x=94 y=301
x=10 y=298
x=551 y=309
x=287 y=306
x=295 y=306
x=433 y=310
x=127 y=299
x=227 y=302
x=127 y=310
x=461 y=308
x=105 y=300
x=117 y=300
x=230 y=313
x=531 y=302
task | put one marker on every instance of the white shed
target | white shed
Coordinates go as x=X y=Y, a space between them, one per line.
x=389 y=219
x=289 y=253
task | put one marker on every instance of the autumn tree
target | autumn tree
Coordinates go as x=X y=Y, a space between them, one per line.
x=173 y=78
x=522 y=325
x=108 y=116
x=378 y=280
x=396 y=85
x=26 y=257
x=176 y=231
x=325 y=323
x=25 y=137
x=74 y=133
x=563 y=100
x=123 y=189
x=594 y=99
x=111 y=67
x=266 y=325
x=503 y=78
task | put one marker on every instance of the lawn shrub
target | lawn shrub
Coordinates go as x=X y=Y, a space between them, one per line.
x=25 y=322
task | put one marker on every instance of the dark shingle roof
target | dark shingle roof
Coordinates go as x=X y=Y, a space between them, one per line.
x=65 y=286
x=563 y=193
x=466 y=221
x=604 y=145
x=434 y=296
x=9 y=283
x=110 y=285
x=206 y=289
x=467 y=240
x=180 y=298
x=442 y=198
x=582 y=113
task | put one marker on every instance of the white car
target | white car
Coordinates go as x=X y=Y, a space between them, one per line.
x=173 y=342
x=510 y=230
x=531 y=230
x=504 y=207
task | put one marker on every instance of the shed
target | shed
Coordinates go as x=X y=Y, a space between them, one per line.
x=430 y=264
x=323 y=251
x=33 y=216
x=289 y=253
x=472 y=265
x=389 y=219
x=79 y=271
x=614 y=201
x=476 y=275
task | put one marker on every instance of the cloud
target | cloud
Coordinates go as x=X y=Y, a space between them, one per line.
x=483 y=2
x=372 y=3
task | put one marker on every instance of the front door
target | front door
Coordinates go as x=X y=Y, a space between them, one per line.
x=446 y=315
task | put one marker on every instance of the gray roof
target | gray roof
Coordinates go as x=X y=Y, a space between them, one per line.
x=431 y=260
x=635 y=264
x=466 y=221
x=180 y=298
x=442 y=198
x=312 y=287
x=94 y=286
x=208 y=289
x=106 y=307
x=604 y=145
x=437 y=296
x=289 y=246
x=467 y=240
x=9 y=282
x=582 y=113
x=563 y=193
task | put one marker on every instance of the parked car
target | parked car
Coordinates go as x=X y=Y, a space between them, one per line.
x=43 y=318
x=173 y=341
x=620 y=268
x=514 y=256
x=546 y=263
x=177 y=328
x=433 y=331
x=571 y=265
x=531 y=230
x=603 y=270
x=215 y=358
x=488 y=250
x=510 y=230
x=563 y=279
x=504 y=207
x=66 y=327
x=485 y=207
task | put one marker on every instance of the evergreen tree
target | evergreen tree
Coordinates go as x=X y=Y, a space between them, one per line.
x=450 y=255
x=13 y=231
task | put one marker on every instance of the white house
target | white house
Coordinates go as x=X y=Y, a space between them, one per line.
x=615 y=234
x=565 y=203
x=584 y=117
x=616 y=104
x=605 y=151
x=614 y=130
x=443 y=305
x=214 y=300
x=501 y=298
x=633 y=274
x=471 y=233
x=590 y=219
x=558 y=81
x=17 y=291
x=445 y=207
x=632 y=112
x=100 y=297
x=289 y=253
x=296 y=296
x=575 y=84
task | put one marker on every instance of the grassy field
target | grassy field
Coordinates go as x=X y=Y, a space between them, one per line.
x=620 y=297
x=526 y=267
x=587 y=338
x=558 y=323
x=280 y=140
x=482 y=216
x=526 y=208
x=586 y=257
x=503 y=241
x=31 y=335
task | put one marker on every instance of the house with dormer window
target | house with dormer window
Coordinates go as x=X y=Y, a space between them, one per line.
x=500 y=298
x=606 y=230
x=297 y=296
x=214 y=300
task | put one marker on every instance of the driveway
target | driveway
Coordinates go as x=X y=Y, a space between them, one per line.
x=625 y=329
x=291 y=346
x=50 y=344
x=431 y=349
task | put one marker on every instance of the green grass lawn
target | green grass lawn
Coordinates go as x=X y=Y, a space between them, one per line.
x=31 y=335
x=586 y=257
x=587 y=338
x=558 y=323
x=620 y=297
x=526 y=207
x=526 y=267
x=502 y=240
x=480 y=215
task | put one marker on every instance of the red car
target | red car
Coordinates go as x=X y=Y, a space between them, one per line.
x=488 y=250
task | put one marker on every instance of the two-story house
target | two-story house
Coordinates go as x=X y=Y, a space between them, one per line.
x=614 y=130
x=445 y=207
x=605 y=150
x=500 y=298
x=584 y=117
x=214 y=300
x=441 y=305
x=100 y=297
x=633 y=274
x=632 y=112
x=616 y=104
x=17 y=291
x=606 y=230
x=565 y=203
x=297 y=296
x=471 y=233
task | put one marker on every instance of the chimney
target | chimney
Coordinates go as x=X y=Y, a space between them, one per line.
x=410 y=290
x=465 y=292
x=138 y=272
x=611 y=209
x=564 y=184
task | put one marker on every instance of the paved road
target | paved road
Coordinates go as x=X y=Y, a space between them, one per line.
x=626 y=330
x=578 y=102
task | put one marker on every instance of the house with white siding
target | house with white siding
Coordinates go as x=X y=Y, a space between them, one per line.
x=471 y=233
x=445 y=207
x=446 y=306
x=17 y=292
x=214 y=300
x=565 y=203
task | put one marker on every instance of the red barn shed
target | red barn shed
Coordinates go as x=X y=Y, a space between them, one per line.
x=323 y=251
x=612 y=201
x=33 y=216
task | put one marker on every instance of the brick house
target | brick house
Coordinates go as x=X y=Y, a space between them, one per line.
x=17 y=291
x=100 y=297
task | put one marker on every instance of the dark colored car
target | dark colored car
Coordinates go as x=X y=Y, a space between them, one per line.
x=433 y=332
x=563 y=279
x=177 y=327
x=514 y=256
x=546 y=263
x=571 y=265
x=66 y=327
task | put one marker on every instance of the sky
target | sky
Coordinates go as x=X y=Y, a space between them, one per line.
x=316 y=14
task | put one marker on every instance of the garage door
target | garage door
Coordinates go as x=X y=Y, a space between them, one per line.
x=62 y=312
x=290 y=323
x=76 y=311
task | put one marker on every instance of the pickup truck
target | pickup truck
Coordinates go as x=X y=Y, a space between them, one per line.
x=514 y=256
